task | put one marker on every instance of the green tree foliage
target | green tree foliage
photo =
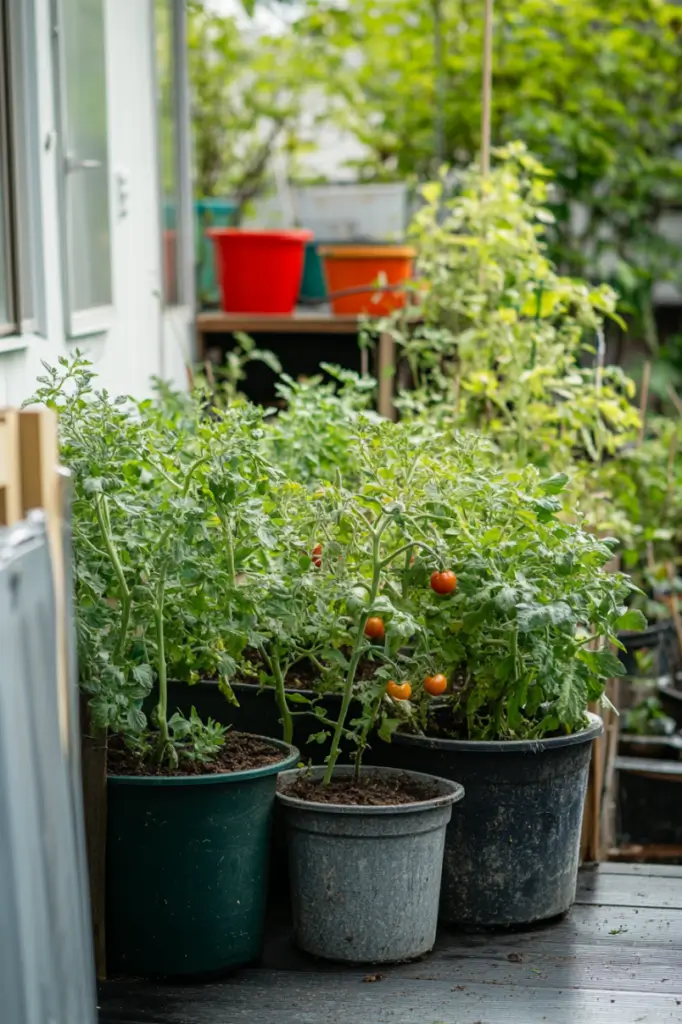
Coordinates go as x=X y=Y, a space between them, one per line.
x=247 y=98
x=592 y=86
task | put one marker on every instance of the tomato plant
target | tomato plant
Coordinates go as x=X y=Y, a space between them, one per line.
x=168 y=518
x=430 y=559
x=526 y=636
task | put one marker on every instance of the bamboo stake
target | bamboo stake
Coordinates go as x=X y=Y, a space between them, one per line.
x=644 y=398
x=672 y=452
x=487 y=89
x=674 y=603
x=439 y=69
x=486 y=107
x=675 y=399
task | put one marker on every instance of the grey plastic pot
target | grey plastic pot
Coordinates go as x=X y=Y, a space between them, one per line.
x=512 y=854
x=365 y=881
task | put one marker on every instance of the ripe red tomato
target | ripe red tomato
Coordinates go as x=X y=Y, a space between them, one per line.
x=317 y=555
x=374 y=628
x=435 y=685
x=443 y=582
x=399 y=691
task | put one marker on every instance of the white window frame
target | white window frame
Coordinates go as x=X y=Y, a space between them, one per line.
x=8 y=236
x=20 y=132
x=186 y=277
x=186 y=285
x=79 y=323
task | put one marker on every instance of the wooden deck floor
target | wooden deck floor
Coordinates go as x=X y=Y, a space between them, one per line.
x=615 y=959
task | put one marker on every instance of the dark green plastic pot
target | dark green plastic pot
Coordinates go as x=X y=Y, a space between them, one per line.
x=313 y=284
x=187 y=869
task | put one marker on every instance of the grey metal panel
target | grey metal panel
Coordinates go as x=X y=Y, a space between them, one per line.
x=42 y=837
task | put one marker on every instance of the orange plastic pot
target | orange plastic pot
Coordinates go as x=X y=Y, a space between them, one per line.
x=358 y=266
x=259 y=271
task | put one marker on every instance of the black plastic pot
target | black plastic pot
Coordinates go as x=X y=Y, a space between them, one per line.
x=670 y=697
x=660 y=639
x=512 y=852
x=258 y=712
x=649 y=804
x=663 y=748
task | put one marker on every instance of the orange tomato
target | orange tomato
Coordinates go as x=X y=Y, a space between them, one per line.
x=435 y=685
x=399 y=691
x=317 y=555
x=443 y=582
x=374 y=628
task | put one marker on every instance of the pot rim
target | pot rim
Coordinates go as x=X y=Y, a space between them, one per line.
x=263 y=234
x=452 y=793
x=587 y=735
x=366 y=251
x=667 y=685
x=291 y=755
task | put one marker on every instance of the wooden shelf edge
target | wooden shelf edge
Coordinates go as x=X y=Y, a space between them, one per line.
x=296 y=323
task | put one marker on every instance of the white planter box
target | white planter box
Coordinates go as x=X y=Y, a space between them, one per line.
x=345 y=213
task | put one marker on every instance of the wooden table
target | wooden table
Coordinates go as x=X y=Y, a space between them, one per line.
x=305 y=323
x=615 y=959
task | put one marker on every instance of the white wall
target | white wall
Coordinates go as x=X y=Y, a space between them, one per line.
x=142 y=339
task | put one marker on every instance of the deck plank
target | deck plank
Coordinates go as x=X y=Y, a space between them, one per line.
x=614 y=959
x=620 y=868
x=276 y=998
x=630 y=891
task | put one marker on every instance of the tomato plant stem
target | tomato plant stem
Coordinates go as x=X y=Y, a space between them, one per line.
x=357 y=652
x=366 y=729
x=102 y=514
x=281 y=697
x=229 y=543
x=162 y=707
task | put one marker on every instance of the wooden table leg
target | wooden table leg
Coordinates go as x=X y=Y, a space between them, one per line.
x=386 y=375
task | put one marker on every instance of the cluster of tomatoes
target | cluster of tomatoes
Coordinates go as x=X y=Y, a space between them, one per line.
x=434 y=685
x=443 y=582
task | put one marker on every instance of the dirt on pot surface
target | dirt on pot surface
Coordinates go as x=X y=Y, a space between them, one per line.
x=371 y=791
x=242 y=752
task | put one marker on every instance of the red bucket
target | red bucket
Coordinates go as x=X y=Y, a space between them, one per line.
x=259 y=271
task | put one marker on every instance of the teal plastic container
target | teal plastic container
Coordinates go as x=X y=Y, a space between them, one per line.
x=187 y=869
x=209 y=213
x=313 y=284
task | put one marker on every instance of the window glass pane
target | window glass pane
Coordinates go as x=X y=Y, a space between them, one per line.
x=5 y=250
x=86 y=152
x=23 y=239
x=165 y=69
x=5 y=316
x=23 y=179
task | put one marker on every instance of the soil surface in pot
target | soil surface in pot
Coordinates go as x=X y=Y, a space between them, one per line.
x=367 y=792
x=241 y=752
